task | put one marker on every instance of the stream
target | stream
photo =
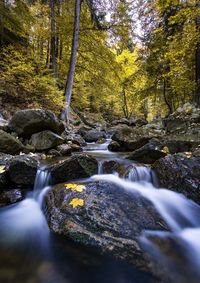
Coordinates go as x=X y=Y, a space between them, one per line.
x=29 y=253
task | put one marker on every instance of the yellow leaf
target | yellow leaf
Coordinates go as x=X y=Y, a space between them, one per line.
x=75 y=187
x=77 y=202
x=2 y=169
x=165 y=150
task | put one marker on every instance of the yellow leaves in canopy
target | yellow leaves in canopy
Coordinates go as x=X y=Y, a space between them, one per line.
x=2 y=169
x=75 y=187
x=76 y=202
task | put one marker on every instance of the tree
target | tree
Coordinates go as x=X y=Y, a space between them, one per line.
x=74 y=49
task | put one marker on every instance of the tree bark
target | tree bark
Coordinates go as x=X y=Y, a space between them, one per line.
x=165 y=98
x=53 y=61
x=71 y=71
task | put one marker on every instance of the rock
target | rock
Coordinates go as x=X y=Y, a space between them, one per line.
x=73 y=168
x=148 y=153
x=182 y=118
x=31 y=121
x=5 y=158
x=108 y=218
x=64 y=149
x=23 y=169
x=3 y=124
x=9 y=144
x=76 y=148
x=180 y=174
x=54 y=153
x=93 y=135
x=141 y=122
x=114 y=146
x=123 y=121
x=131 y=139
x=10 y=197
x=3 y=180
x=74 y=138
x=45 y=140
x=112 y=166
x=173 y=254
x=101 y=140
x=82 y=130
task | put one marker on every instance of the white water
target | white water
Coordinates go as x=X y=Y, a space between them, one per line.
x=181 y=214
x=25 y=222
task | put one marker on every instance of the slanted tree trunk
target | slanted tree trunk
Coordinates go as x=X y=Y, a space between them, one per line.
x=53 y=61
x=71 y=71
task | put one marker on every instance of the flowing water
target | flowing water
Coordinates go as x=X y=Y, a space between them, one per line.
x=30 y=254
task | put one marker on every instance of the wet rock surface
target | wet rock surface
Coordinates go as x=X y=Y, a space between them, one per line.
x=45 y=140
x=108 y=218
x=10 y=197
x=30 y=121
x=180 y=174
x=10 y=144
x=131 y=139
x=93 y=135
x=22 y=170
x=74 y=168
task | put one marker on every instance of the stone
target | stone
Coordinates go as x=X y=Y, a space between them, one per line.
x=131 y=139
x=3 y=124
x=180 y=174
x=93 y=135
x=9 y=144
x=148 y=153
x=10 y=197
x=64 y=149
x=108 y=218
x=22 y=170
x=30 y=121
x=45 y=140
x=75 y=167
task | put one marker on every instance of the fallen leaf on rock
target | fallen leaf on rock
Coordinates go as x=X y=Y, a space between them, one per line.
x=75 y=187
x=165 y=150
x=76 y=202
x=2 y=169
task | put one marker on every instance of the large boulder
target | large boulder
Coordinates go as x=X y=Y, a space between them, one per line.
x=180 y=174
x=131 y=139
x=148 y=153
x=182 y=118
x=104 y=216
x=10 y=144
x=93 y=135
x=45 y=140
x=31 y=121
x=22 y=170
x=73 y=168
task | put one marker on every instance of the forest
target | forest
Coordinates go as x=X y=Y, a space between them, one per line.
x=99 y=141
x=141 y=53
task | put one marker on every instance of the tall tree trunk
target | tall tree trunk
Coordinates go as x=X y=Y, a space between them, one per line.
x=124 y=103
x=71 y=71
x=170 y=109
x=197 y=61
x=53 y=61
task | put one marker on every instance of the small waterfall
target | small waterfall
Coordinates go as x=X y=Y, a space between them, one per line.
x=140 y=173
x=25 y=222
x=42 y=184
x=183 y=218
x=100 y=167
